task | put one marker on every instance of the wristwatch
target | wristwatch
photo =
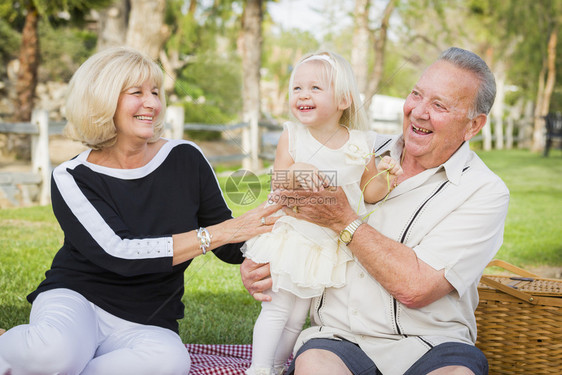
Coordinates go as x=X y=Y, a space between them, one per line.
x=346 y=235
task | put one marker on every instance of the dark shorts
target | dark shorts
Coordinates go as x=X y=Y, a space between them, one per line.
x=447 y=354
x=351 y=354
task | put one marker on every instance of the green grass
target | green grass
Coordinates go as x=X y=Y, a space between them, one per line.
x=218 y=308
x=533 y=232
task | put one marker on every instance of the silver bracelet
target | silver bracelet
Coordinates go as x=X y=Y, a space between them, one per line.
x=205 y=239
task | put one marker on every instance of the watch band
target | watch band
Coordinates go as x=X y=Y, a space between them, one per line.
x=346 y=235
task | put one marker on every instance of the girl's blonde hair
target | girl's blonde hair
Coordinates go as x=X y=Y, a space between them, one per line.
x=94 y=90
x=337 y=72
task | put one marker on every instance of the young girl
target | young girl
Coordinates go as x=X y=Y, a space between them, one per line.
x=326 y=147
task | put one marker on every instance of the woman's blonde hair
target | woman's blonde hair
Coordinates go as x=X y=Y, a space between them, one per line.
x=94 y=90
x=337 y=72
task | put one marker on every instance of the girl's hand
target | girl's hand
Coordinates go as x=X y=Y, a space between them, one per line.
x=308 y=177
x=389 y=164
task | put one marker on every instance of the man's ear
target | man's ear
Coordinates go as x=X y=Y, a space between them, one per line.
x=345 y=103
x=475 y=125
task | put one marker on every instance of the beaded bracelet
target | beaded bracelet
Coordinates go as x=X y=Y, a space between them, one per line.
x=205 y=238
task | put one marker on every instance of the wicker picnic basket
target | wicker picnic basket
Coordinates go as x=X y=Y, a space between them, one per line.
x=519 y=321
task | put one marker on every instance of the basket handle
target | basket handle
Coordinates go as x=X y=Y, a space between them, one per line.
x=505 y=288
x=511 y=267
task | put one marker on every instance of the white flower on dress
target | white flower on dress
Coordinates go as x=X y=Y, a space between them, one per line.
x=356 y=154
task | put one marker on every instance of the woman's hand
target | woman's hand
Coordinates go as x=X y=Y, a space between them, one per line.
x=328 y=208
x=256 y=278
x=250 y=224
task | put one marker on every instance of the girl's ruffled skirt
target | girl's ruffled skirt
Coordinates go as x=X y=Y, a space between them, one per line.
x=304 y=258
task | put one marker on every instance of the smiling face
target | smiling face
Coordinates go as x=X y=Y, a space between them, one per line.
x=312 y=100
x=436 y=112
x=136 y=111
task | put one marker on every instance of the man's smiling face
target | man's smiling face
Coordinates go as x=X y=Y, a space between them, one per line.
x=436 y=113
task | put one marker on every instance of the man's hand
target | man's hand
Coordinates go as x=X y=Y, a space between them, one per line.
x=256 y=278
x=327 y=208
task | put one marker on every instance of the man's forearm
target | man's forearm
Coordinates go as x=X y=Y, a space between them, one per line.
x=397 y=268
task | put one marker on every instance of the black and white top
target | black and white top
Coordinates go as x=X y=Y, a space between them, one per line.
x=118 y=226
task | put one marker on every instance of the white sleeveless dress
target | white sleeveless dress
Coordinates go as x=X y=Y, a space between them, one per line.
x=305 y=258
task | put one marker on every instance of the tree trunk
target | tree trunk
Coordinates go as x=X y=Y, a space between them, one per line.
x=146 y=30
x=379 y=47
x=113 y=25
x=525 y=137
x=251 y=63
x=499 y=103
x=360 y=45
x=28 y=65
x=543 y=98
x=192 y=7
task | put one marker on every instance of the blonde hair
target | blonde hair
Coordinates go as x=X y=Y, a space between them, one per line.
x=94 y=89
x=337 y=71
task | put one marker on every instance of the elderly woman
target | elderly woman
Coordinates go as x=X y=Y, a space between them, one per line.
x=135 y=209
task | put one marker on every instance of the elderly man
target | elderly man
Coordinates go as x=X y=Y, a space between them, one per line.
x=408 y=305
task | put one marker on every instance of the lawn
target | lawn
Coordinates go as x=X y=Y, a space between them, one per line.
x=219 y=310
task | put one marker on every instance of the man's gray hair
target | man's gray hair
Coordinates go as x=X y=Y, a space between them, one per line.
x=472 y=62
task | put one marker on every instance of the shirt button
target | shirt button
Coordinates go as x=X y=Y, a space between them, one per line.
x=361 y=275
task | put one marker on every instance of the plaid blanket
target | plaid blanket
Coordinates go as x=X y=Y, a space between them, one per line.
x=219 y=359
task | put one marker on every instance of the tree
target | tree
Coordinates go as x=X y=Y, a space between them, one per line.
x=146 y=30
x=379 y=44
x=366 y=39
x=546 y=87
x=360 y=43
x=34 y=10
x=28 y=65
x=134 y=23
x=251 y=46
x=183 y=30
x=112 y=23
x=531 y=29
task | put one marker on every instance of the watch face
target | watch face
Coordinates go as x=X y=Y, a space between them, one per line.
x=345 y=236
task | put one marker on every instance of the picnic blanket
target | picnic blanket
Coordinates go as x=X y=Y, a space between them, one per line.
x=220 y=359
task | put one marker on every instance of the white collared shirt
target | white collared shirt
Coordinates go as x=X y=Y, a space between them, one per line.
x=453 y=217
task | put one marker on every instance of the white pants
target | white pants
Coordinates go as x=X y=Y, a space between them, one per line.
x=276 y=330
x=67 y=334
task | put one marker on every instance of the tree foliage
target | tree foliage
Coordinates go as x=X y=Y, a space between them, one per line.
x=204 y=44
x=205 y=62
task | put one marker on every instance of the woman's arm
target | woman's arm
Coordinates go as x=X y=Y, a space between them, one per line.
x=187 y=246
x=226 y=234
